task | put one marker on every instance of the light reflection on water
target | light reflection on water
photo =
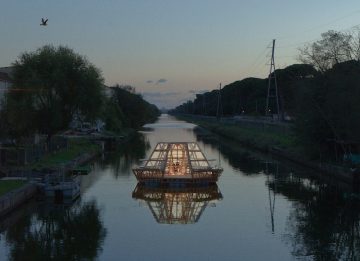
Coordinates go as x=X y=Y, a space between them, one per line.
x=269 y=210
x=177 y=205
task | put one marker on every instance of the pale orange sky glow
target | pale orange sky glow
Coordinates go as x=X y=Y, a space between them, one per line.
x=191 y=45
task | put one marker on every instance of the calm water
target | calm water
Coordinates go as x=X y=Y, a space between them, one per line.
x=262 y=209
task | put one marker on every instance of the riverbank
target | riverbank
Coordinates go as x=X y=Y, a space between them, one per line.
x=281 y=144
x=19 y=184
x=15 y=197
x=8 y=185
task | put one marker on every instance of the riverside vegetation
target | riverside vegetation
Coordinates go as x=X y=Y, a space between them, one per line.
x=320 y=96
x=52 y=87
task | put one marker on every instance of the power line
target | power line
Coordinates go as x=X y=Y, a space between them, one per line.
x=258 y=57
x=260 y=63
x=322 y=25
x=347 y=30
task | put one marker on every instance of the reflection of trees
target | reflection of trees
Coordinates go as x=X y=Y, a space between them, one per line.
x=322 y=224
x=73 y=233
x=177 y=205
x=237 y=156
x=127 y=154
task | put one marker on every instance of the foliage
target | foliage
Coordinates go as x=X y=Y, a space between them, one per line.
x=113 y=116
x=328 y=108
x=50 y=85
x=333 y=48
x=248 y=96
x=321 y=96
x=289 y=80
x=132 y=110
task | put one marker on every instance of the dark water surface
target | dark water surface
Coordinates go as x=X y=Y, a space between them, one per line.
x=261 y=209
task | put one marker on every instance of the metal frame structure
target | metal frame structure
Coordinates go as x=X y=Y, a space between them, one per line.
x=272 y=92
x=177 y=162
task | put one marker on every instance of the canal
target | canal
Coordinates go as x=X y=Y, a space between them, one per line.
x=262 y=208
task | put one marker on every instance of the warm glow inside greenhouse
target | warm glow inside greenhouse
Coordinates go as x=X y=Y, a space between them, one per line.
x=177 y=160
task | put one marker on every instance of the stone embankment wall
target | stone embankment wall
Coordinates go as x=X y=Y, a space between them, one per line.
x=14 y=198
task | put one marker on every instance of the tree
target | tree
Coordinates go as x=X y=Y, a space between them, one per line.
x=334 y=47
x=289 y=79
x=328 y=110
x=50 y=85
x=128 y=109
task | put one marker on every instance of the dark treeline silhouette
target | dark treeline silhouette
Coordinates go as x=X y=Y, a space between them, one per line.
x=127 y=109
x=248 y=96
x=321 y=96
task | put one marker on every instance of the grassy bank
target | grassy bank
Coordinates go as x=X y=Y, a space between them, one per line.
x=8 y=185
x=76 y=147
x=250 y=136
x=280 y=144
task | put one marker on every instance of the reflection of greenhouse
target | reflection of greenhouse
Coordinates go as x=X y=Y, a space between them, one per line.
x=177 y=162
x=177 y=205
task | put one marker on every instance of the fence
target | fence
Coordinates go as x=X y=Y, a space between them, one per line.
x=20 y=156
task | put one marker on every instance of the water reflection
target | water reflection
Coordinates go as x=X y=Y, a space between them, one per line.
x=126 y=154
x=238 y=157
x=57 y=232
x=177 y=205
x=323 y=222
x=324 y=216
x=272 y=211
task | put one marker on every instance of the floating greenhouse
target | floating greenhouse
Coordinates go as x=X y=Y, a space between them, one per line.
x=175 y=163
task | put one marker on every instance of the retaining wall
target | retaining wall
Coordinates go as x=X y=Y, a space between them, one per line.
x=14 y=198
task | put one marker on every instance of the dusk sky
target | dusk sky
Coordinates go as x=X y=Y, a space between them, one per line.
x=169 y=50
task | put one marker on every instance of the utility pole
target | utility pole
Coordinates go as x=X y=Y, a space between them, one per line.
x=219 y=105
x=272 y=93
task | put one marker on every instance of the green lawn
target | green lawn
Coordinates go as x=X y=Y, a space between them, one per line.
x=8 y=185
x=248 y=135
x=75 y=149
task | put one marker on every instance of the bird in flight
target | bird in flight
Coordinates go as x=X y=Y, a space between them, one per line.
x=44 y=22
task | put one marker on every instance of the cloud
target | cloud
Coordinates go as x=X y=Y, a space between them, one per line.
x=160 y=81
x=160 y=94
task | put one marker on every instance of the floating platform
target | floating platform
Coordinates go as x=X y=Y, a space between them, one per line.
x=177 y=163
x=82 y=170
x=61 y=190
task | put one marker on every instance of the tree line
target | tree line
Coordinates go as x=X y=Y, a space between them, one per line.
x=321 y=95
x=53 y=84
